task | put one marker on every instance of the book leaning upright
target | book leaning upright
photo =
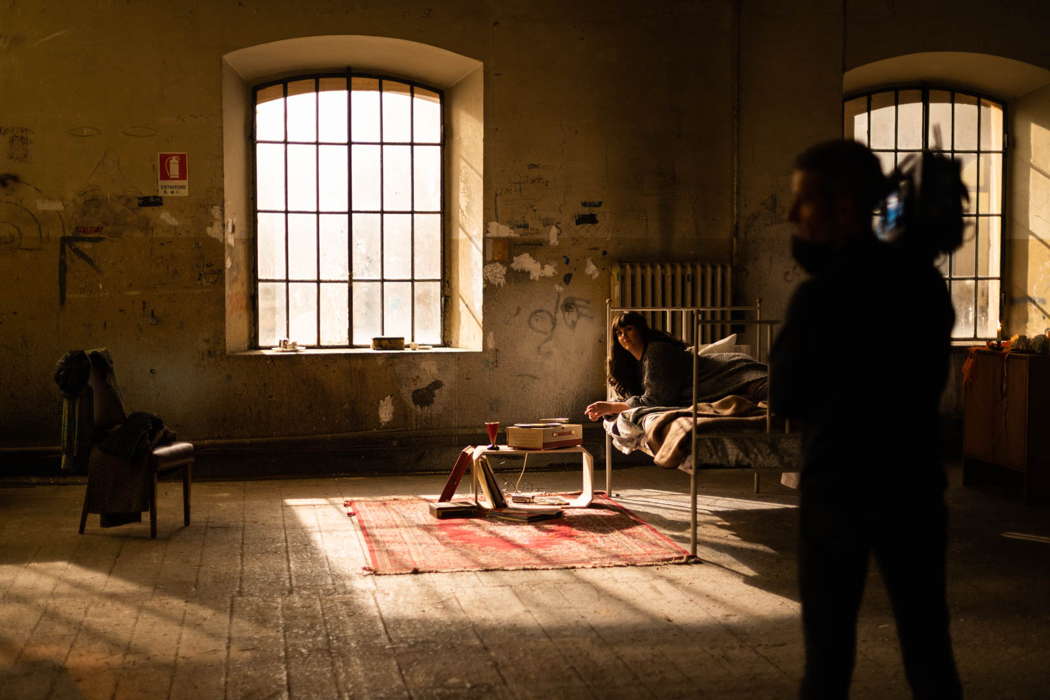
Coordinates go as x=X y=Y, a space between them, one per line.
x=488 y=487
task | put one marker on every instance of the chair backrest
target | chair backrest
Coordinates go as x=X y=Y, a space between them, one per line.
x=92 y=404
x=107 y=403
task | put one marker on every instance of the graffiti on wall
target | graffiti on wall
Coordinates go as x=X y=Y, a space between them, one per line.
x=567 y=312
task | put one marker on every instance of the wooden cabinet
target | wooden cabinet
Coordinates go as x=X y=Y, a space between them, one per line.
x=1007 y=419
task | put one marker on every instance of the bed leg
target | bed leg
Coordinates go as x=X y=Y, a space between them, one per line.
x=608 y=465
x=693 y=524
x=756 y=482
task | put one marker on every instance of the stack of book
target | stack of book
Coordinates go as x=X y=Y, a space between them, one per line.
x=525 y=515
x=454 y=509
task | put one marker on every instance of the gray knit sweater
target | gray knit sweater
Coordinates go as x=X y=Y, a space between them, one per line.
x=668 y=368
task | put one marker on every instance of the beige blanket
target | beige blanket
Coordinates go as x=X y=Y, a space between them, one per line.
x=669 y=436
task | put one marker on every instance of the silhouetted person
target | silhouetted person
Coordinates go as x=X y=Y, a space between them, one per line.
x=861 y=361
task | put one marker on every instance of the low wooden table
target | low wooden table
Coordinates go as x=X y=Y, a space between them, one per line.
x=586 y=493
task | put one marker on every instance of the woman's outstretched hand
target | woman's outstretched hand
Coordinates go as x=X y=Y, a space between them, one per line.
x=605 y=408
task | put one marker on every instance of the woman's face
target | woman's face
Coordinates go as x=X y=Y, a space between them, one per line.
x=630 y=339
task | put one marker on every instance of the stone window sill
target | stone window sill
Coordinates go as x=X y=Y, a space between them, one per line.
x=350 y=351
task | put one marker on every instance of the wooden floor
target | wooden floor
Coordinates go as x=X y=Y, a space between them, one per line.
x=264 y=596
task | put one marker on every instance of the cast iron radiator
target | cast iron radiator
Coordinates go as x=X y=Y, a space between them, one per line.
x=676 y=284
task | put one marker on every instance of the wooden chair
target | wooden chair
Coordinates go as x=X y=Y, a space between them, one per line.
x=100 y=409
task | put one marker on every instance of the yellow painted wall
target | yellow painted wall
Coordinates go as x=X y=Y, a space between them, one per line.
x=676 y=116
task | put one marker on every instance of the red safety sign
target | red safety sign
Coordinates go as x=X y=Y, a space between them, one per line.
x=173 y=175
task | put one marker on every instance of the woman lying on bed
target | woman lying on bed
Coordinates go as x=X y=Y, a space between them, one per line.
x=648 y=367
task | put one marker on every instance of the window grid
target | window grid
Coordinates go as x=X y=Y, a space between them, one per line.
x=382 y=279
x=975 y=215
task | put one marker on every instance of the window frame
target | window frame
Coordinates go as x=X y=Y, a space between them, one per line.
x=442 y=280
x=925 y=88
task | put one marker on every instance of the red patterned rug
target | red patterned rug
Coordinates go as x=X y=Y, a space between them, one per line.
x=402 y=538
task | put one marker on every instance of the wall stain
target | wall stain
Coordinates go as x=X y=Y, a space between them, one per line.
x=19 y=138
x=424 y=396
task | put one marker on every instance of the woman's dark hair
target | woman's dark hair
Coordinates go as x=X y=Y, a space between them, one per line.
x=625 y=372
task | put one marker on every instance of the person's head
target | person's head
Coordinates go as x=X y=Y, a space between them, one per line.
x=630 y=332
x=836 y=185
x=629 y=336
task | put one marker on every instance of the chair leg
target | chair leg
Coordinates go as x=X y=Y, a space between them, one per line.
x=153 y=508
x=187 y=476
x=83 y=516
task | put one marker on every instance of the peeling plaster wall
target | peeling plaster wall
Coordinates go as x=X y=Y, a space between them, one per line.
x=792 y=61
x=791 y=95
x=614 y=125
x=607 y=123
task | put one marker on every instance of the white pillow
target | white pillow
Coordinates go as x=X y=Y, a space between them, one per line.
x=727 y=344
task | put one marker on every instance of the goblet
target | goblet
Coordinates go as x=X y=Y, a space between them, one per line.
x=492 y=428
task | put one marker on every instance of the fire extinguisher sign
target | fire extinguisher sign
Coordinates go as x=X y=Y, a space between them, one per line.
x=173 y=175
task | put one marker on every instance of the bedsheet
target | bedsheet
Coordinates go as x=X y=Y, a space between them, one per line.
x=731 y=431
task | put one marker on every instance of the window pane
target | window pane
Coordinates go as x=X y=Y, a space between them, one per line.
x=271 y=314
x=426 y=120
x=333 y=184
x=365 y=174
x=989 y=245
x=965 y=122
x=987 y=308
x=428 y=313
x=397 y=112
x=269 y=246
x=428 y=246
x=302 y=246
x=302 y=111
x=969 y=176
x=964 y=260
x=962 y=300
x=886 y=158
x=427 y=178
x=366 y=246
x=334 y=298
x=397 y=178
x=269 y=175
x=882 y=120
x=364 y=109
x=990 y=198
x=397 y=309
x=302 y=178
x=332 y=112
x=367 y=312
x=991 y=126
x=302 y=317
x=940 y=120
x=397 y=246
x=909 y=119
x=855 y=120
x=334 y=246
x=269 y=113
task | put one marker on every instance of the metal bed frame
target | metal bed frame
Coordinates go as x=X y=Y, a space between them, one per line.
x=696 y=316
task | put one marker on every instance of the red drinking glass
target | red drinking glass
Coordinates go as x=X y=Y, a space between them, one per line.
x=492 y=428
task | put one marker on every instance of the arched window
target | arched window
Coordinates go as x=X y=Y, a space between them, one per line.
x=970 y=128
x=348 y=210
